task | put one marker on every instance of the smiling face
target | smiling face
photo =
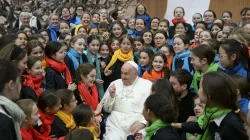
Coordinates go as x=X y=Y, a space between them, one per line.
x=90 y=78
x=147 y=37
x=36 y=70
x=144 y=59
x=32 y=119
x=195 y=61
x=94 y=46
x=246 y=16
x=179 y=46
x=158 y=63
x=104 y=51
x=139 y=25
x=204 y=35
x=140 y=9
x=78 y=45
x=25 y=20
x=85 y=19
x=126 y=46
x=215 y=29
x=54 y=20
x=59 y=55
x=178 y=13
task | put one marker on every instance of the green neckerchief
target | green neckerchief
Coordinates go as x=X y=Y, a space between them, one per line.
x=151 y=48
x=198 y=137
x=198 y=75
x=210 y=114
x=153 y=128
x=154 y=32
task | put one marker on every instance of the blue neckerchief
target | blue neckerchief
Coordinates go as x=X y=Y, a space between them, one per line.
x=137 y=33
x=93 y=24
x=77 y=20
x=146 y=18
x=53 y=30
x=193 y=28
x=98 y=71
x=130 y=32
x=244 y=102
x=171 y=42
x=142 y=69
x=209 y=26
x=238 y=69
x=183 y=56
x=75 y=57
x=216 y=60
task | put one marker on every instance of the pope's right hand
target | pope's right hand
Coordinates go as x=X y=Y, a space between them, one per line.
x=112 y=90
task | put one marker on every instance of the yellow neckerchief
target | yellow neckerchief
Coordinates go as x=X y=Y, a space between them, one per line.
x=67 y=119
x=80 y=25
x=44 y=64
x=92 y=130
x=121 y=56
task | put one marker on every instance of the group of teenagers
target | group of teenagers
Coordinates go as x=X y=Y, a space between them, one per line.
x=200 y=74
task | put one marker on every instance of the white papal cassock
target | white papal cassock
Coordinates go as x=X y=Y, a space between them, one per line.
x=126 y=108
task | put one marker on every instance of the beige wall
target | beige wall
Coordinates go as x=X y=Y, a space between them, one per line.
x=158 y=7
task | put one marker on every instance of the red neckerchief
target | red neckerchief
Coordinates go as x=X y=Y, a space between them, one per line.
x=91 y=99
x=47 y=120
x=34 y=83
x=60 y=67
x=176 y=20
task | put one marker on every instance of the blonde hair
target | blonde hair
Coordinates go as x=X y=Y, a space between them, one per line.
x=26 y=105
x=242 y=34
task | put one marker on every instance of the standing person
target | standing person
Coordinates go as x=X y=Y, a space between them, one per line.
x=11 y=115
x=53 y=27
x=181 y=80
x=124 y=100
x=141 y=12
x=223 y=119
x=195 y=19
x=76 y=19
x=227 y=16
x=209 y=17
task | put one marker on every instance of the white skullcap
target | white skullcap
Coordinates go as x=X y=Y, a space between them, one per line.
x=133 y=64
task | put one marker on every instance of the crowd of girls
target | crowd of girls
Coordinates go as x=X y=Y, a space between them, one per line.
x=199 y=69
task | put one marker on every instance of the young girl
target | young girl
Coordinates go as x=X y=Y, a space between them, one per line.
x=45 y=34
x=125 y=23
x=227 y=16
x=83 y=31
x=21 y=39
x=147 y=36
x=93 y=58
x=63 y=121
x=218 y=20
x=160 y=39
x=202 y=58
x=105 y=52
x=163 y=25
x=234 y=58
x=154 y=25
x=95 y=20
x=53 y=27
x=168 y=51
x=84 y=118
x=195 y=19
x=86 y=88
x=158 y=68
x=35 y=48
x=103 y=29
x=243 y=91
x=31 y=119
x=131 y=26
x=26 y=29
x=138 y=46
x=65 y=37
x=140 y=26
x=196 y=38
x=33 y=79
x=64 y=27
x=93 y=31
x=76 y=19
x=115 y=45
x=209 y=17
x=75 y=53
x=16 y=55
x=181 y=58
x=141 y=12
x=222 y=118
x=244 y=16
x=57 y=75
x=214 y=44
x=146 y=56
x=120 y=56
x=216 y=28
x=117 y=29
x=160 y=111
x=205 y=35
x=48 y=105
x=219 y=37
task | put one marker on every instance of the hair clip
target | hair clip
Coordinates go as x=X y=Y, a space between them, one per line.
x=237 y=111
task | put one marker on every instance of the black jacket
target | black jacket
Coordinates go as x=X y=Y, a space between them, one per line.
x=7 y=129
x=190 y=32
x=231 y=128
x=58 y=128
x=166 y=133
x=54 y=79
x=28 y=93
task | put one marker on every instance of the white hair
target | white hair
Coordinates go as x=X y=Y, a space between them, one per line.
x=25 y=14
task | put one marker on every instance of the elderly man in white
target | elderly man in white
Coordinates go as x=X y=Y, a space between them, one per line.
x=124 y=100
